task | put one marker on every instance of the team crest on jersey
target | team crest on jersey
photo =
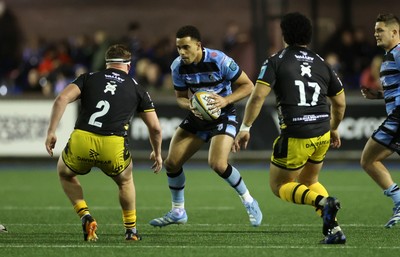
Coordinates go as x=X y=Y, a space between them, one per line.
x=110 y=87
x=305 y=69
x=214 y=54
x=233 y=66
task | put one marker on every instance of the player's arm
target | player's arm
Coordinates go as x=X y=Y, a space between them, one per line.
x=243 y=88
x=252 y=110
x=182 y=98
x=68 y=95
x=154 y=128
x=338 y=107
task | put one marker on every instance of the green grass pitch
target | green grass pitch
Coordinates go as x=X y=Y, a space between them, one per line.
x=42 y=222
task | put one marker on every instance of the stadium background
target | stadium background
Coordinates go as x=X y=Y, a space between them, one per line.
x=24 y=116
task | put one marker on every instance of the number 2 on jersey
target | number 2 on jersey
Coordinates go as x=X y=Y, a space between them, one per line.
x=302 y=93
x=104 y=107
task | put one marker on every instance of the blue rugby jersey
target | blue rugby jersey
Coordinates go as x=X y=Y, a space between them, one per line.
x=214 y=73
x=390 y=78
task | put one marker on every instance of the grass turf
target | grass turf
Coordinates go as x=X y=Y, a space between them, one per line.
x=42 y=222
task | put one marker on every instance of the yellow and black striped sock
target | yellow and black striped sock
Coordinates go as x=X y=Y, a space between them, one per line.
x=300 y=194
x=129 y=219
x=81 y=208
x=320 y=189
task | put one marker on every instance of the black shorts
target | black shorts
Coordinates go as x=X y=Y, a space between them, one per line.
x=226 y=125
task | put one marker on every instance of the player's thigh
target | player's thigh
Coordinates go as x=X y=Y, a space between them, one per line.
x=182 y=146
x=63 y=170
x=374 y=151
x=124 y=177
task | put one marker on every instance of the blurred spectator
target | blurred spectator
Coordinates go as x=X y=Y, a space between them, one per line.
x=101 y=42
x=333 y=60
x=82 y=50
x=354 y=54
x=364 y=50
x=134 y=41
x=10 y=45
x=370 y=76
x=238 y=45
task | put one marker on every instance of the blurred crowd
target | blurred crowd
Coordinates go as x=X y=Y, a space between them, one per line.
x=36 y=65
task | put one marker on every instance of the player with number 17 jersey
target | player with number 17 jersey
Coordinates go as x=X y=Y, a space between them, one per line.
x=301 y=81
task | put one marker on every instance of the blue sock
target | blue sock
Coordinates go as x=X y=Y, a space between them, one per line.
x=233 y=177
x=393 y=192
x=176 y=183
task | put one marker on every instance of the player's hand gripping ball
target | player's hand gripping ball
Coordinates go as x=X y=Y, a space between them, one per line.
x=202 y=102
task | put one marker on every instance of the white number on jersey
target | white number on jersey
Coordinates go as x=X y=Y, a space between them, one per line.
x=302 y=93
x=105 y=107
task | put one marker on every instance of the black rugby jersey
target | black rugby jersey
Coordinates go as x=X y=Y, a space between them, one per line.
x=301 y=81
x=109 y=99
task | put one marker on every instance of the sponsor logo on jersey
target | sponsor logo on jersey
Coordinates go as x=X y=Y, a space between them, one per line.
x=114 y=76
x=233 y=66
x=303 y=57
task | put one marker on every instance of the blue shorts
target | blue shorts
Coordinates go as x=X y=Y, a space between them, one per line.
x=205 y=130
x=388 y=133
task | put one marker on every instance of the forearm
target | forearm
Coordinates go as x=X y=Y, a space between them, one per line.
x=239 y=94
x=183 y=102
x=337 y=114
x=253 y=108
x=156 y=140
x=57 y=112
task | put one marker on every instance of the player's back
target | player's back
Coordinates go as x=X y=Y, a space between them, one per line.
x=109 y=98
x=302 y=81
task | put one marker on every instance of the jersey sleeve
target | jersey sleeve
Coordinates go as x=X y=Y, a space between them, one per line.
x=230 y=68
x=79 y=81
x=178 y=82
x=146 y=103
x=267 y=75
x=336 y=86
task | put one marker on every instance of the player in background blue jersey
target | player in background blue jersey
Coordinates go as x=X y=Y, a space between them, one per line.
x=198 y=68
x=386 y=139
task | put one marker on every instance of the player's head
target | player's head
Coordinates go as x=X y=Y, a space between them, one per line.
x=296 y=29
x=188 y=44
x=387 y=28
x=118 y=54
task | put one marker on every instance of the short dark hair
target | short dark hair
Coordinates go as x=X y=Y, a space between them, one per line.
x=188 y=31
x=388 y=19
x=296 y=29
x=118 y=51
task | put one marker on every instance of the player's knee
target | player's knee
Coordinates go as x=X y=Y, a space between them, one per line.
x=365 y=163
x=171 y=166
x=275 y=188
x=218 y=166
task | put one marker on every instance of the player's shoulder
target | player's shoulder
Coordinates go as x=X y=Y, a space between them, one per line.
x=176 y=63
x=213 y=55
x=396 y=52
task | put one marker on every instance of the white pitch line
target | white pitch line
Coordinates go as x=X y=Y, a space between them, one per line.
x=58 y=208
x=206 y=225
x=336 y=247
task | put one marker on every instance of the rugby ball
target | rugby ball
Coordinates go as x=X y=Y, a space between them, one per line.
x=201 y=101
